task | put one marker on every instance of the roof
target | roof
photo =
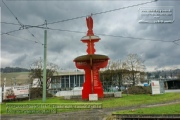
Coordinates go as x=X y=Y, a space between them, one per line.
x=70 y=73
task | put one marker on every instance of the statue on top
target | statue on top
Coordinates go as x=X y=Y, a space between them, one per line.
x=89 y=22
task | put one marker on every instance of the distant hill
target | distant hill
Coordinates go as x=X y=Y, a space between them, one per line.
x=13 y=69
x=19 y=78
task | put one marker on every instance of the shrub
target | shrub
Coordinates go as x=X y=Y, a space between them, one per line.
x=138 y=90
x=37 y=93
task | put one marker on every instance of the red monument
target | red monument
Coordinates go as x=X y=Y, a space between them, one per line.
x=91 y=63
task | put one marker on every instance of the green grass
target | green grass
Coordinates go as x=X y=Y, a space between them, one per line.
x=130 y=100
x=167 y=109
x=133 y=100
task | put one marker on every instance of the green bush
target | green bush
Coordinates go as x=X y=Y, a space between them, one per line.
x=138 y=90
x=37 y=93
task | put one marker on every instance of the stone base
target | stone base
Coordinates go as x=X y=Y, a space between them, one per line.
x=118 y=94
x=72 y=97
x=108 y=94
x=93 y=97
x=67 y=97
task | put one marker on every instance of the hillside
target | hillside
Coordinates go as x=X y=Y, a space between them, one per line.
x=20 y=77
x=13 y=69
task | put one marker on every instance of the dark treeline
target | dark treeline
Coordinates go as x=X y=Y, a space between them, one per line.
x=13 y=69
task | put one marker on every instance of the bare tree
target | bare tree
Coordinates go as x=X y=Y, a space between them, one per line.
x=113 y=74
x=135 y=69
x=36 y=71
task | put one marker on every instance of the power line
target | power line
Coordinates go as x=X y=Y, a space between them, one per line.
x=116 y=36
x=38 y=26
x=102 y=12
x=176 y=40
x=11 y=31
x=65 y=30
x=67 y=19
x=34 y=36
x=176 y=43
x=12 y=13
x=107 y=35
x=22 y=26
x=24 y=38
x=28 y=26
x=111 y=35
x=124 y=7
x=9 y=23
x=173 y=41
x=25 y=27
x=134 y=38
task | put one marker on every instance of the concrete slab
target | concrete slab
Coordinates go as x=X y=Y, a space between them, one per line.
x=118 y=94
x=93 y=97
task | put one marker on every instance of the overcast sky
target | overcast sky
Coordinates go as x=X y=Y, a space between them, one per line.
x=20 y=48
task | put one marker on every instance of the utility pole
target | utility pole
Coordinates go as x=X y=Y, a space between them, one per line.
x=14 y=81
x=4 y=82
x=44 y=70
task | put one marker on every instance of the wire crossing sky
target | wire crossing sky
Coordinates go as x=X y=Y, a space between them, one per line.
x=115 y=22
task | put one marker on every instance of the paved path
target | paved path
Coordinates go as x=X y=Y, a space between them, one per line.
x=173 y=90
x=94 y=114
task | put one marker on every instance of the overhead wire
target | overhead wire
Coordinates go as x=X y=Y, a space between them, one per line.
x=11 y=31
x=134 y=38
x=173 y=41
x=118 y=36
x=29 y=26
x=23 y=38
x=38 y=26
x=34 y=36
x=176 y=40
x=65 y=30
x=65 y=20
x=9 y=23
x=22 y=26
x=124 y=7
x=115 y=35
x=25 y=27
x=102 y=12
x=176 y=43
x=12 y=13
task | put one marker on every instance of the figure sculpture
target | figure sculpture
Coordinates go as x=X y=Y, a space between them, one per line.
x=89 y=22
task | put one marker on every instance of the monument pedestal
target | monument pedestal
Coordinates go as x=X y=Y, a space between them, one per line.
x=93 y=97
x=92 y=84
x=118 y=94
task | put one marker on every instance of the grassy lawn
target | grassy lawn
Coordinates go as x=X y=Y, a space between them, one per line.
x=133 y=100
x=167 y=109
x=130 y=100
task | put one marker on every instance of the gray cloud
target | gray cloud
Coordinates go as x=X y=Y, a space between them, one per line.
x=63 y=47
x=20 y=60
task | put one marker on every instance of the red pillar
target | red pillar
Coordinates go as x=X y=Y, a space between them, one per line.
x=91 y=63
